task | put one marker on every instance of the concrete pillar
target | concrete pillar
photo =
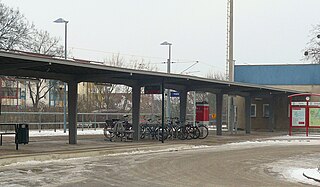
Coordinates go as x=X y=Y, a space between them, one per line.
x=219 y=105
x=183 y=94
x=231 y=116
x=271 y=124
x=285 y=115
x=247 y=114
x=136 y=93
x=72 y=111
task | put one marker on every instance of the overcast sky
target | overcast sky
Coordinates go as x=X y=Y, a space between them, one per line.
x=265 y=31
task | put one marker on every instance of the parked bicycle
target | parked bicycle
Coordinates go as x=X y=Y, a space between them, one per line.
x=172 y=126
x=188 y=131
x=204 y=131
x=153 y=129
x=116 y=129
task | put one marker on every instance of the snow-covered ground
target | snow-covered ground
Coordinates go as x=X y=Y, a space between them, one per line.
x=291 y=169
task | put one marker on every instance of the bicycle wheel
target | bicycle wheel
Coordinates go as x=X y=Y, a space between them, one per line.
x=159 y=135
x=204 y=131
x=181 y=133
x=189 y=131
x=194 y=132
x=108 y=133
x=142 y=132
x=172 y=132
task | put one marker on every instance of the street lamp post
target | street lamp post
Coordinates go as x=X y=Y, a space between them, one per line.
x=60 y=20
x=168 y=71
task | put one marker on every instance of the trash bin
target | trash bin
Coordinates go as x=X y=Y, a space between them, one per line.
x=23 y=134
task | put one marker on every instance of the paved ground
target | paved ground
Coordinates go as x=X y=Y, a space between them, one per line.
x=60 y=143
x=150 y=163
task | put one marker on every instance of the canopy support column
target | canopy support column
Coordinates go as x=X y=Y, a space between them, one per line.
x=219 y=105
x=136 y=94
x=72 y=111
x=183 y=94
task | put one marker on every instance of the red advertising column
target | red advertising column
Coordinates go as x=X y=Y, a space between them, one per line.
x=202 y=113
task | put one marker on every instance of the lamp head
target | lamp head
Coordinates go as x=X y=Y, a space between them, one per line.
x=60 y=20
x=166 y=43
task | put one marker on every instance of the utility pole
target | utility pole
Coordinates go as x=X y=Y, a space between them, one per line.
x=230 y=64
x=230 y=58
x=229 y=54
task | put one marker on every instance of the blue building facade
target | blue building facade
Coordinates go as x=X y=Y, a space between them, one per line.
x=302 y=77
x=299 y=74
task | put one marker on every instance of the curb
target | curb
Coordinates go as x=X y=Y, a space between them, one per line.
x=91 y=152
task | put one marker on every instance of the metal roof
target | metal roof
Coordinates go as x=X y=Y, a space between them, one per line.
x=23 y=64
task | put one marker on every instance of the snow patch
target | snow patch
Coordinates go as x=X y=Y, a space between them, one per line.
x=180 y=148
x=59 y=132
x=36 y=162
x=312 y=174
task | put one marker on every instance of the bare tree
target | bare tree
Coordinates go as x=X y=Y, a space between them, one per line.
x=14 y=28
x=215 y=75
x=41 y=42
x=118 y=97
x=141 y=64
x=312 y=50
x=37 y=91
x=16 y=33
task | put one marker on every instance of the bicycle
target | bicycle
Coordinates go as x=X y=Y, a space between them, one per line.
x=188 y=132
x=118 y=129
x=204 y=131
x=172 y=126
x=153 y=130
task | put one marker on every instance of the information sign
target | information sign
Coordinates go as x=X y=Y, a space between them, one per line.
x=314 y=116
x=174 y=94
x=298 y=103
x=314 y=103
x=298 y=117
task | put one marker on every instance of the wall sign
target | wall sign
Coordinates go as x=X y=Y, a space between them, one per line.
x=154 y=89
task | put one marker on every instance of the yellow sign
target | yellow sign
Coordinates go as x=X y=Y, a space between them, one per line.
x=214 y=116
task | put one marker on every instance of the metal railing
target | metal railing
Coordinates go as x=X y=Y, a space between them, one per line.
x=54 y=120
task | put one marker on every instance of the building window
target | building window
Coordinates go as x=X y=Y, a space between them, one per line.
x=266 y=110
x=253 y=110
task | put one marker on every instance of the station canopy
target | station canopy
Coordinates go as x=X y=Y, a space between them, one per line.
x=31 y=65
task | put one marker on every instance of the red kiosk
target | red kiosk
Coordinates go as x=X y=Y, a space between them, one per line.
x=304 y=111
x=202 y=113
